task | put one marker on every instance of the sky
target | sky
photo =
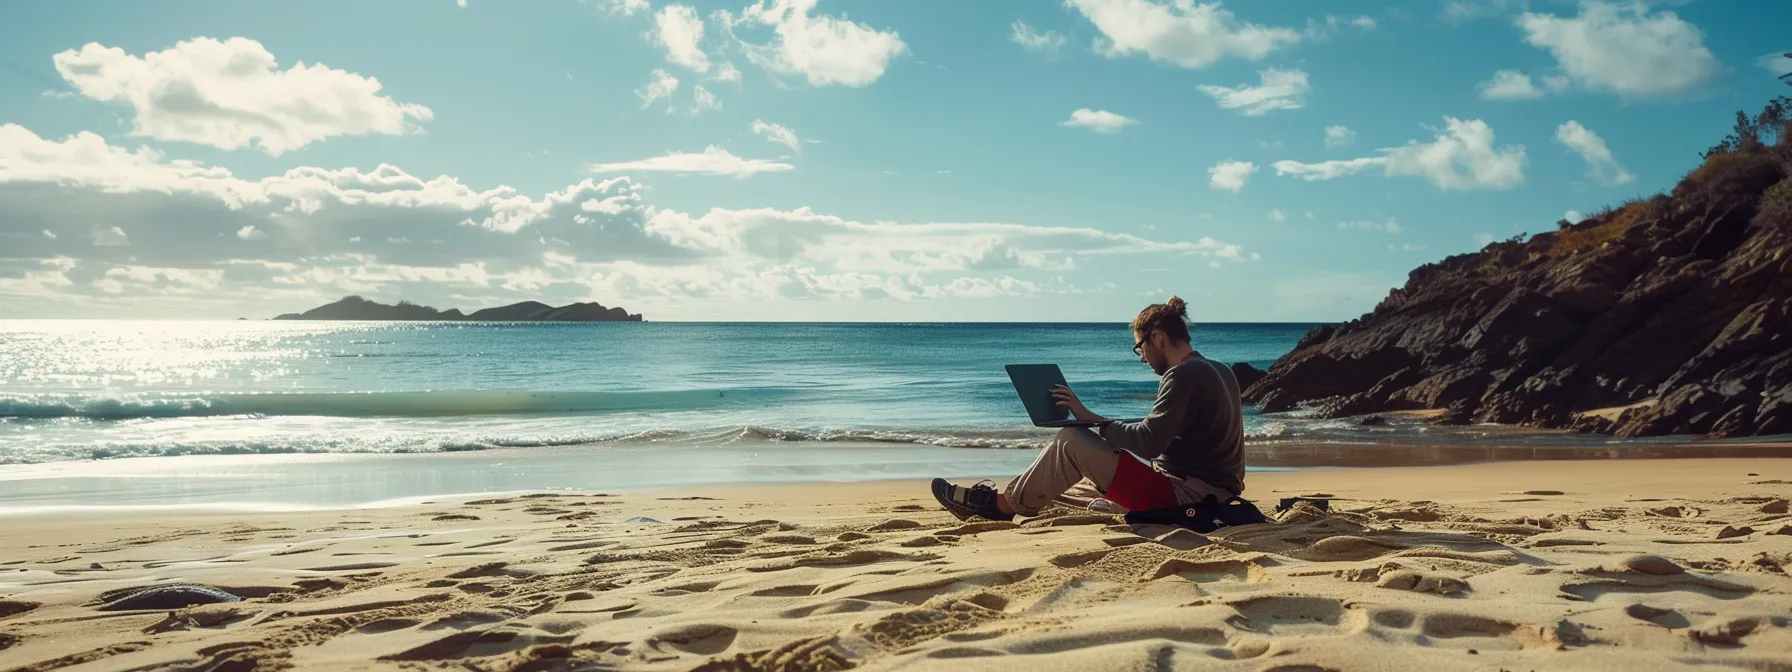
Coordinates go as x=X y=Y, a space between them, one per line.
x=831 y=160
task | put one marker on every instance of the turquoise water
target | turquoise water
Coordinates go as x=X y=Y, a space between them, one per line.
x=77 y=390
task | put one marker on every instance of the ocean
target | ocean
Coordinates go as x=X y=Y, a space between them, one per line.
x=96 y=412
x=75 y=390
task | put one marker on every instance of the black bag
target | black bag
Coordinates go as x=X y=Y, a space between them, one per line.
x=1204 y=516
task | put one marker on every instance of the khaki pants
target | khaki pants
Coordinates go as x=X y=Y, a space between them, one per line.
x=1079 y=457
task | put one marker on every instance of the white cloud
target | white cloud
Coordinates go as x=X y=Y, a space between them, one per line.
x=726 y=72
x=703 y=101
x=1276 y=90
x=1100 y=121
x=1339 y=136
x=1601 y=167
x=1230 y=175
x=1592 y=147
x=1457 y=11
x=322 y=233
x=462 y=3
x=1309 y=215
x=1185 y=33
x=712 y=160
x=1047 y=43
x=1408 y=247
x=1777 y=63
x=625 y=7
x=661 y=88
x=1573 y=216
x=1509 y=85
x=1326 y=170
x=110 y=236
x=785 y=236
x=680 y=30
x=231 y=94
x=823 y=50
x=1622 y=48
x=1483 y=239
x=614 y=205
x=1333 y=23
x=1276 y=215
x=1462 y=156
x=777 y=133
x=1390 y=226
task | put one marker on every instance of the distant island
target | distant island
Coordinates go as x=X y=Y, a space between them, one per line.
x=357 y=308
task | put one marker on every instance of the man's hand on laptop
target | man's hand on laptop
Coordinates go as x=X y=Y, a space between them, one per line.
x=1068 y=399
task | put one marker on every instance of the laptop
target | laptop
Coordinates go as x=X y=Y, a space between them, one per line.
x=1034 y=383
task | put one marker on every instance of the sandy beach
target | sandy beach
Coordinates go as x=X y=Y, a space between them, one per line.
x=1593 y=564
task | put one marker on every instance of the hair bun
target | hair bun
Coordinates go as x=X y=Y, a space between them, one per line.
x=1177 y=306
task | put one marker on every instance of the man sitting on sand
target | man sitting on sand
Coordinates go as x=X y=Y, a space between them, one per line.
x=1193 y=438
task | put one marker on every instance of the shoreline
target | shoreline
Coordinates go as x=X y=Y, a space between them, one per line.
x=1601 y=565
x=298 y=482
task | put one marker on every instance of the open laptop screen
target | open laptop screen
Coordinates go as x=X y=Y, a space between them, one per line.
x=1034 y=382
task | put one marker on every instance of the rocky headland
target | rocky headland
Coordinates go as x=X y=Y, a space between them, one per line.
x=1666 y=315
x=357 y=308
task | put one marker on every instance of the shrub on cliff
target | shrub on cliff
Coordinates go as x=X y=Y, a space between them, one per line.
x=1740 y=176
x=1776 y=205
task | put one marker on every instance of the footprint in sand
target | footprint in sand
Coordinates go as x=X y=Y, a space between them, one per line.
x=841 y=606
x=1423 y=582
x=1345 y=547
x=164 y=597
x=16 y=607
x=1723 y=631
x=1667 y=618
x=487 y=642
x=1293 y=615
x=1649 y=574
x=478 y=571
x=699 y=639
x=1209 y=571
x=893 y=525
x=1079 y=559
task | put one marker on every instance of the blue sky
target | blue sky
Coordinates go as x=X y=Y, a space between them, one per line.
x=830 y=160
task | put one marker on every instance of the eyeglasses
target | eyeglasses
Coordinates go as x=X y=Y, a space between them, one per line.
x=1137 y=347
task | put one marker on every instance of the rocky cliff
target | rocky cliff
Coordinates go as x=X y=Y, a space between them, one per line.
x=1667 y=315
x=357 y=308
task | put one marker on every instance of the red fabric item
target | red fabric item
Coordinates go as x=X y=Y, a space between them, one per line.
x=1138 y=487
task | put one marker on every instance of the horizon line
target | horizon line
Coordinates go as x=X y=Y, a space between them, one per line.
x=643 y=321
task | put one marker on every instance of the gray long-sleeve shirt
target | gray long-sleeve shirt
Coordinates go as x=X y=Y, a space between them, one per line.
x=1194 y=430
